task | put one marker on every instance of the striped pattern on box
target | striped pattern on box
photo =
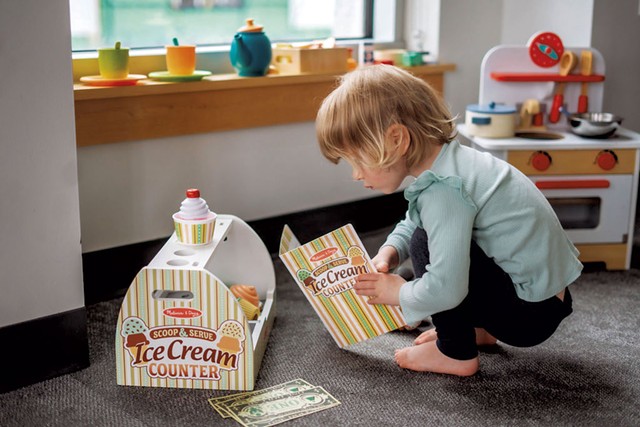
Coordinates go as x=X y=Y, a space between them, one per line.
x=195 y=233
x=325 y=270
x=179 y=326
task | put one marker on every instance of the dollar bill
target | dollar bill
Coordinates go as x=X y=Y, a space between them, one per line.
x=276 y=409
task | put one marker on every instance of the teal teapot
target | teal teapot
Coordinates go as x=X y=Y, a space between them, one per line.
x=250 y=51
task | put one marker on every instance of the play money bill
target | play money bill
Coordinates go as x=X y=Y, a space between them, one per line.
x=275 y=410
x=220 y=404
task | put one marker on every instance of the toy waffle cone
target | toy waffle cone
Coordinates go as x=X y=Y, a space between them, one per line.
x=246 y=292
x=251 y=311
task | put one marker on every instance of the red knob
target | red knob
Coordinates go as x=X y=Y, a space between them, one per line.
x=607 y=160
x=193 y=193
x=541 y=160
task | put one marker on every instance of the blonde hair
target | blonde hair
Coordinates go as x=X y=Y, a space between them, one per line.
x=354 y=118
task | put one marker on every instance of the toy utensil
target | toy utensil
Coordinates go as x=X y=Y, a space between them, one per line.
x=586 y=65
x=567 y=62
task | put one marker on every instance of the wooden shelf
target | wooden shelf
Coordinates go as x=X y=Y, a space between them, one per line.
x=546 y=77
x=153 y=109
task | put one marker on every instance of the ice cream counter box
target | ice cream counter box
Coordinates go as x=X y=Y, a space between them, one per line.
x=180 y=326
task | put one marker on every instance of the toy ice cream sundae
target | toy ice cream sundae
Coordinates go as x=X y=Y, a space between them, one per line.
x=194 y=223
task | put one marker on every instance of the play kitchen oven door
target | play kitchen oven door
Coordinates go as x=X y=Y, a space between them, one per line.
x=590 y=190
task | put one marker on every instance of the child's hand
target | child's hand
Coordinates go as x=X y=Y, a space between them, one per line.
x=381 y=288
x=386 y=259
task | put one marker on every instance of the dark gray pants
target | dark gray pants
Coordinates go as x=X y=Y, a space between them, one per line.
x=491 y=304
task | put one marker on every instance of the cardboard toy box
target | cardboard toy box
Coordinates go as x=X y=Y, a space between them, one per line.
x=325 y=270
x=300 y=60
x=180 y=326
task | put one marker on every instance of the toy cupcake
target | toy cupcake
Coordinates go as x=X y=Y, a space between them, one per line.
x=194 y=223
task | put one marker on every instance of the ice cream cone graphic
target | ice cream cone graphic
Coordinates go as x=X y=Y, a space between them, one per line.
x=134 y=331
x=357 y=256
x=305 y=277
x=231 y=337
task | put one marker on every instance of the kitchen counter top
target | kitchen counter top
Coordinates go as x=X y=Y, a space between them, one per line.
x=623 y=138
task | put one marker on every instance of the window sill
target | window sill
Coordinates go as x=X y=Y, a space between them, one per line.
x=218 y=103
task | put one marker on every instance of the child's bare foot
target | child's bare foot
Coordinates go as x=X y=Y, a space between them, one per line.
x=426 y=336
x=482 y=337
x=427 y=357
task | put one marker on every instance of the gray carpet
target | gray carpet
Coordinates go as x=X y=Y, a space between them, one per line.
x=588 y=374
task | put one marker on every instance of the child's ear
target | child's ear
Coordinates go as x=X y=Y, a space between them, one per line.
x=398 y=138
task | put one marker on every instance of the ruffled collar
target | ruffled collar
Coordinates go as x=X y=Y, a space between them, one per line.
x=413 y=192
x=428 y=177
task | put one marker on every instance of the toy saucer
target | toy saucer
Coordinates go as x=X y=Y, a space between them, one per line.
x=130 y=80
x=164 y=76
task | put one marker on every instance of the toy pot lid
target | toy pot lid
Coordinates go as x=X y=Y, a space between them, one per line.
x=250 y=27
x=492 y=108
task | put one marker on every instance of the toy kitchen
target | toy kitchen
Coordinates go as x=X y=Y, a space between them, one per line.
x=540 y=109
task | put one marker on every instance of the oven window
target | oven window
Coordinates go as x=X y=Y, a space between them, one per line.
x=578 y=212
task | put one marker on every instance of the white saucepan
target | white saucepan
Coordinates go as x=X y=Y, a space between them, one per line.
x=491 y=121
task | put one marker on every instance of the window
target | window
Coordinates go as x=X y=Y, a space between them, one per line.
x=154 y=23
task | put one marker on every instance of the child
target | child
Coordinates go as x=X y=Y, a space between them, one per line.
x=491 y=259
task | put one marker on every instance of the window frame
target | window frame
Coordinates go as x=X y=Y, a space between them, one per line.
x=383 y=25
x=155 y=110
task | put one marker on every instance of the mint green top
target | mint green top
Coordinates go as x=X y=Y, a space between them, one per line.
x=469 y=195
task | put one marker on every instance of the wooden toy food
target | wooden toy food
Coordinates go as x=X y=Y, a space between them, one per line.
x=194 y=222
x=246 y=292
x=251 y=311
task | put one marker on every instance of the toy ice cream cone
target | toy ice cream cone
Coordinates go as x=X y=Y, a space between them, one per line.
x=251 y=311
x=246 y=292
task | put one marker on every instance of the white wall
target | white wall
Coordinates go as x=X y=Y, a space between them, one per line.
x=616 y=34
x=569 y=19
x=40 y=259
x=129 y=190
x=422 y=26
x=468 y=29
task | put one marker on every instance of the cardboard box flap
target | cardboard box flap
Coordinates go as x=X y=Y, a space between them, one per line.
x=325 y=270
x=182 y=328
x=288 y=241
